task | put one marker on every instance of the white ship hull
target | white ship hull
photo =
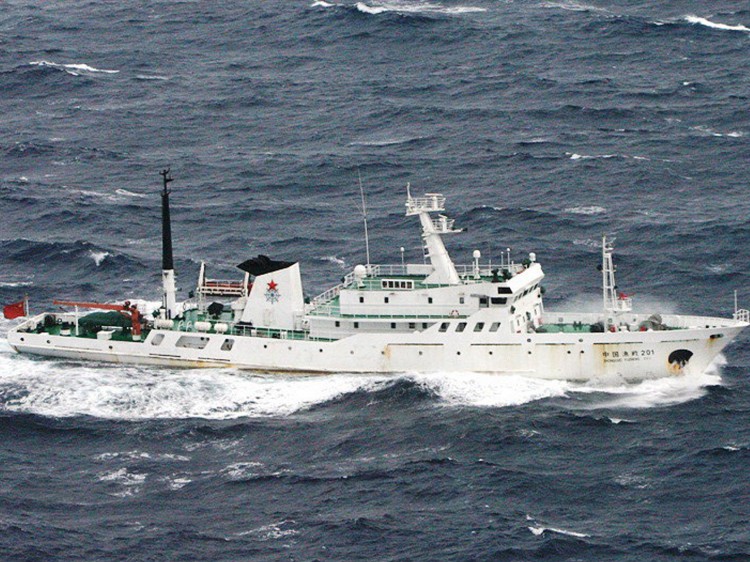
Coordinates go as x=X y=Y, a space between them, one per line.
x=628 y=356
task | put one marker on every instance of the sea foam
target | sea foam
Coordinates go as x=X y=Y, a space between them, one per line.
x=715 y=25
x=74 y=69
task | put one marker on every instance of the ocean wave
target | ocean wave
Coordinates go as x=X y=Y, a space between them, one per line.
x=696 y=20
x=386 y=142
x=337 y=261
x=150 y=77
x=573 y=6
x=415 y=8
x=586 y=210
x=712 y=132
x=74 y=69
x=127 y=193
x=98 y=257
x=476 y=389
x=538 y=529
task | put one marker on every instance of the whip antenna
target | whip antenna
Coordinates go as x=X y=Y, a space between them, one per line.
x=364 y=217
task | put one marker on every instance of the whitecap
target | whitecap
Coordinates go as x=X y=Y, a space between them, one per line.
x=271 y=531
x=321 y=4
x=98 y=257
x=14 y=284
x=538 y=529
x=335 y=260
x=586 y=210
x=695 y=20
x=573 y=6
x=364 y=8
x=74 y=69
x=415 y=8
x=588 y=243
x=576 y=156
x=129 y=193
x=385 y=142
x=176 y=483
x=487 y=390
x=714 y=133
x=154 y=77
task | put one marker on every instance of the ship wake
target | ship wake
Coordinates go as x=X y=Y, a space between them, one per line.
x=56 y=388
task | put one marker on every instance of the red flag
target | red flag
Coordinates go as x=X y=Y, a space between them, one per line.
x=15 y=310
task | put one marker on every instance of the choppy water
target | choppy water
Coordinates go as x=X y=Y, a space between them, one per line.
x=545 y=123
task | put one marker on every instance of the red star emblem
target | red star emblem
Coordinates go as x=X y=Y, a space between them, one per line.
x=272 y=285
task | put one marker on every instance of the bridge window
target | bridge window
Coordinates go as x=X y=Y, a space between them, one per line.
x=496 y=301
x=494 y=326
x=479 y=326
x=158 y=338
x=227 y=345
x=504 y=291
x=396 y=284
x=461 y=326
x=444 y=327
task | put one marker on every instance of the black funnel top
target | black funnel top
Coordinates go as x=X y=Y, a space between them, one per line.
x=263 y=264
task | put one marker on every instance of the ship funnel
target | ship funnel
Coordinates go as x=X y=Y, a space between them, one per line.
x=169 y=302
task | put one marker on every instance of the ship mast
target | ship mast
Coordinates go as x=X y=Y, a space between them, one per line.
x=169 y=301
x=444 y=272
x=614 y=303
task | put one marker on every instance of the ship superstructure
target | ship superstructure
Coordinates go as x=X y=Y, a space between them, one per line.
x=430 y=316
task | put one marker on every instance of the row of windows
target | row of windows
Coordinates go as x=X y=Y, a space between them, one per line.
x=483 y=301
x=394 y=325
x=461 y=326
x=394 y=284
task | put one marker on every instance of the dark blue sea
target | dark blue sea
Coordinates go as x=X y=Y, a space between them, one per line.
x=546 y=123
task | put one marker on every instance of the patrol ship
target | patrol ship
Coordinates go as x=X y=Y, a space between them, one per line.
x=435 y=316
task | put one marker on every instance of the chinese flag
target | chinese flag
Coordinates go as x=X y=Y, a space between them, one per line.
x=15 y=310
